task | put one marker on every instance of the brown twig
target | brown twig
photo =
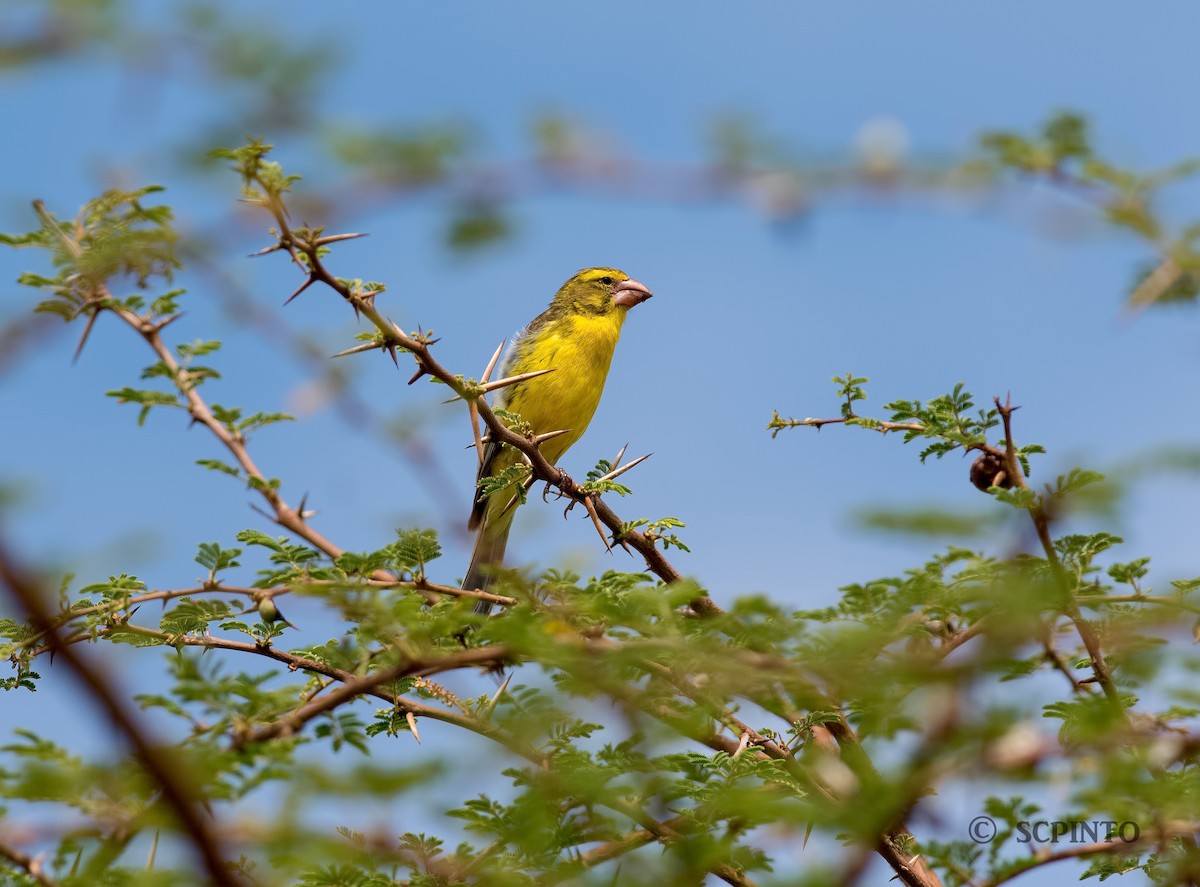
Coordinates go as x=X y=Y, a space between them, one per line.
x=1041 y=523
x=31 y=865
x=65 y=617
x=291 y=723
x=1075 y=851
x=778 y=422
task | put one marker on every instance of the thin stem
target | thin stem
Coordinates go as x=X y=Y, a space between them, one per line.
x=1041 y=523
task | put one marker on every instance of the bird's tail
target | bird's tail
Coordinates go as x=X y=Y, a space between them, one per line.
x=487 y=558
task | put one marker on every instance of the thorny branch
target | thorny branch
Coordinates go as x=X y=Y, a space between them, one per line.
x=1047 y=855
x=306 y=254
x=1041 y=523
x=290 y=723
x=159 y=761
x=116 y=606
x=1010 y=474
x=31 y=865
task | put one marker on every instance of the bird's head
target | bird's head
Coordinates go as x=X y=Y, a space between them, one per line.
x=602 y=290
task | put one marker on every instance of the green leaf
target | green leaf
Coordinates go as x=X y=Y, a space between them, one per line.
x=261 y=420
x=147 y=399
x=511 y=480
x=256 y=537
x=218 y=465
x=191 y=615
x=196 y=349
x=413 y=549
x=116 y=587
x=214 y=558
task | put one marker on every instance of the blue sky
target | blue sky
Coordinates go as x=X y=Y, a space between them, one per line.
x=748 y=317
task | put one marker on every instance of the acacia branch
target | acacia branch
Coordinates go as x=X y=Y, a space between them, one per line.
x=358 y=412
x=65 y=617
x=627 y=843
x=912 y=870
x=1041 y=523
x=778 y=423
x=31 y=865
x=295 y=662
x=283 y=514
x=393 y=338
x=159 y=761
x=1098 y=848
x=496 y=656
x=1038 y=514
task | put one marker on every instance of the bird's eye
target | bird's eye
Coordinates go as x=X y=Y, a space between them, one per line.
x=607 y=281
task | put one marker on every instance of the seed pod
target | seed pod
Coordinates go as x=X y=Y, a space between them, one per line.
x=990 y=471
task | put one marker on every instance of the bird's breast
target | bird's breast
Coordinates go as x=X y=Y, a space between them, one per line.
x=579 y=349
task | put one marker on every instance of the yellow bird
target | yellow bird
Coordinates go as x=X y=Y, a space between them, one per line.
x=575 y=337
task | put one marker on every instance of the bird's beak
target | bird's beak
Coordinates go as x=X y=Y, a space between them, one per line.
x=628 y=293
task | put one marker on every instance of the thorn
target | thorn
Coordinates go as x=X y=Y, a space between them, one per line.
x=150 y=859
x=418 y=374
x=743 y=744
x=513 y=380
x=165 y=322
x=300 y=512
x=617 y=472
x=359 y=349
x=87 y=331
x=412 y=725
x=621 y=455
x=311 y=280
x=807 y=835
x=391 y=350
x=487 y=374
x=262 y=252
x=550 y=435
x=473 y=409
x=491 y=706
x=596 y=520
x=334 y=238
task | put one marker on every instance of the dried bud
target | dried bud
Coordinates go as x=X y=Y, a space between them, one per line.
x=989 y=471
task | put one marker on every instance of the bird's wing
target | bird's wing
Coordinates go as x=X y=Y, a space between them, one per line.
x=490 y=451
x=509 y=365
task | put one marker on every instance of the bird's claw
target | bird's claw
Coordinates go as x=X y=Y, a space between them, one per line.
x=562 y=476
